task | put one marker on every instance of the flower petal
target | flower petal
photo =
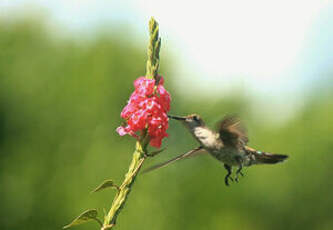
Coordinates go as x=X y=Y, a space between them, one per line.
x=121 y=130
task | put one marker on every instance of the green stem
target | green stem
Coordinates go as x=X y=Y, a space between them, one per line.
x=125 y=188
x=140 y=152
x=153 y=51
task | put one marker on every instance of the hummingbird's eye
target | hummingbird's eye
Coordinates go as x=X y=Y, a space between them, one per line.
x=195 y=118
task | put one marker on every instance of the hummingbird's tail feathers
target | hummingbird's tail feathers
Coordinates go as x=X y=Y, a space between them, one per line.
x=270 y=158
x=258 y=157
x=182 y=156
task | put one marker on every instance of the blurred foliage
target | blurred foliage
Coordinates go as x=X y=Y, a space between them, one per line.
x=59 y=106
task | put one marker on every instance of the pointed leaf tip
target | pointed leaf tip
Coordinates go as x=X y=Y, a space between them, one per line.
x=84 y=217
x=105 y=184
x=152 y=154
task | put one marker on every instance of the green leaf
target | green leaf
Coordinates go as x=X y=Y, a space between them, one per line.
x=156 y=152
x=105 y=184
x=84 y=217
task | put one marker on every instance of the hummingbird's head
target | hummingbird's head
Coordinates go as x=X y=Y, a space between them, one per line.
x=190 y=121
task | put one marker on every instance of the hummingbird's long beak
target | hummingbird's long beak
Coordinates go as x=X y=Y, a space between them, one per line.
x=177 y=118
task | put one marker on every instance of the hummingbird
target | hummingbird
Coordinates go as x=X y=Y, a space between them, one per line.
x=228 y=145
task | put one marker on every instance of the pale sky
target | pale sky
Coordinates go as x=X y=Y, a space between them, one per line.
x=273 y=49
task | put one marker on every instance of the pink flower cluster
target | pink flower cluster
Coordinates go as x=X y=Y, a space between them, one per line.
x=147 y=109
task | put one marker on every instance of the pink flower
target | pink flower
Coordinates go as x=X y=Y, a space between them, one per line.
x=121 y=130
x=147 y=109
x=144 y=86
x=125 y=130
x=164 y=98
x=156 y=142
x=137 y=120
x=128 y=110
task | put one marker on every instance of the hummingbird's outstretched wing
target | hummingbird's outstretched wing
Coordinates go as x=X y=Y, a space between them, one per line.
x=182 y=156
x=232 y=131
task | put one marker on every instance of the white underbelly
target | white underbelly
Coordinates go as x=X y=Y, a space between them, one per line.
x=207 y=138
x=213 y=144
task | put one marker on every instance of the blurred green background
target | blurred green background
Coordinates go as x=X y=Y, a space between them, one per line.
x=60 y=101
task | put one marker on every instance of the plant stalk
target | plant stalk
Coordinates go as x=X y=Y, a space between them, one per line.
x=140 y=152
x=125 y=188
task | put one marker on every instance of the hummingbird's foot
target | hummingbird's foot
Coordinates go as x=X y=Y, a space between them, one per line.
x=228 y=176
x=239 y=172
x=226 y=179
